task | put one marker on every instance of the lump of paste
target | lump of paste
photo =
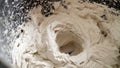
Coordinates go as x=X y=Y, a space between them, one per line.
x=77 y=35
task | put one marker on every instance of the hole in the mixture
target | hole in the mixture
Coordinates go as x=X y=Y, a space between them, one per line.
x=22 y=30
x=104 y=17
x=104 y=33
x=71 y=48
x=69 y=43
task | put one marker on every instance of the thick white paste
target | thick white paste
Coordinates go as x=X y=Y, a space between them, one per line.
x=76 y=37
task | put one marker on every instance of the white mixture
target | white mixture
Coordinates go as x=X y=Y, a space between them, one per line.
x=84 y=35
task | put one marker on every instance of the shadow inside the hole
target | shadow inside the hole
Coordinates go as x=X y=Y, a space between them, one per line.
x=72 y=48
x=69 y=43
